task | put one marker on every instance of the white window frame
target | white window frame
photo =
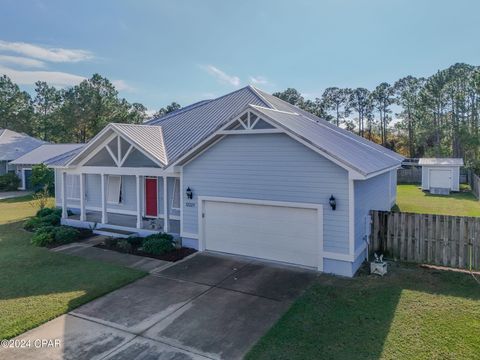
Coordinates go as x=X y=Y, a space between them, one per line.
x=73 y=186
x=176 y=188
x=118 y=194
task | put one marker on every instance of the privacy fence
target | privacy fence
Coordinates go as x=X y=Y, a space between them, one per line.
x=413 y=175
x=434 y=239
x=474 y=182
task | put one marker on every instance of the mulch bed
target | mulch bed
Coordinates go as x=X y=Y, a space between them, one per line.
x=172 y=256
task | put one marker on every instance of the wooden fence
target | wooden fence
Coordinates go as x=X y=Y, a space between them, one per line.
x=474 y=182
x=434 y=239
x=413 y=175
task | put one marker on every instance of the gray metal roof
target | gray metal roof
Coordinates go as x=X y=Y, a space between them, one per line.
x=14 y=144
x=63 y=159
x=441 y=161
x=170 y=137
x=44 y=153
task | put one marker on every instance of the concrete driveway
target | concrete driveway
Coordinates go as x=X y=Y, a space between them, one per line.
x=206 y=307
x=13 y=194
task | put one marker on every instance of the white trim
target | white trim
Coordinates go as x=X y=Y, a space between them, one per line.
x=166 y=218
x=119 y=171
x=250 y=131
x=129 y=150
x=318 y=207
x=104 y=199
x=189 y=235
x=82 y=198
x=181 y=202
x=64 y=195
x=110 y=151
x=173 y=195
x=95 y=151
x=138 y=180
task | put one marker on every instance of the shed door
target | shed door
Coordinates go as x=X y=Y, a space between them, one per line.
x=440 y=178
x=280 y=233
x=151 y=198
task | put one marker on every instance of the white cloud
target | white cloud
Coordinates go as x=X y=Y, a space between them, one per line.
x=21 y=61
x=121 y=85
x=46 y=53
x=258 y=80
x=221 y=75
x=29 y=77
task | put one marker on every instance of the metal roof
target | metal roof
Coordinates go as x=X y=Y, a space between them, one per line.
x=63 y=159
x=441 y=161
x=171 y=136
x=44 y=153
x=347 y=149
x=14 y=144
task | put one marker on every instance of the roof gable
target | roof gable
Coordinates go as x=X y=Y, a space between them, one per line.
x=14 y=144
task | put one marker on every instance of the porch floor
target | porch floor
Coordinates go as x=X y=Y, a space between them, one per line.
x=124 y=220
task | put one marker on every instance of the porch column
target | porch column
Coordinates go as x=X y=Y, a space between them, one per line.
x=83 y=216
x=165 y=205
x=64 y=195
x=104 y=198
x=139 y=201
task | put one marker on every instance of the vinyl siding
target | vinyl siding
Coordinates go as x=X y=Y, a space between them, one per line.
x=371 y=194
x=455 y=176
x=270 y=167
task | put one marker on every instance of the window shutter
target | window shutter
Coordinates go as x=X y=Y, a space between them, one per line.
x=114 y=189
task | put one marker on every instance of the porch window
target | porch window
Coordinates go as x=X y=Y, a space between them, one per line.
x=114 y=193
x=73 y=187
x=176 y=194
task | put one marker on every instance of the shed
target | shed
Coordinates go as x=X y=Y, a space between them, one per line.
x=440 y=174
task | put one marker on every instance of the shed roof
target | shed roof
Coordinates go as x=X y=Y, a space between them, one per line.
x=441 y=161
x=44 y=152
x=14 y=144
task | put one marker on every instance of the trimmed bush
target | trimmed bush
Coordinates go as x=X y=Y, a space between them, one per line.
x=9 y=182
x=135 y=241
x=52 y=219
x=32 y=224
x=44 y=236
x=66 y=234
x=45 y=211
x=124 y=245
x=158 y=244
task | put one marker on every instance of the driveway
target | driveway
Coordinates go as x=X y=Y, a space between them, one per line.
x=13 y=194
x=205 y=307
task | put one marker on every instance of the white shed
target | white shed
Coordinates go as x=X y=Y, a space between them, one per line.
x=440 y=173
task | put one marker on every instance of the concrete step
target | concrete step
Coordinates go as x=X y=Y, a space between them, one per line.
x=114 y=233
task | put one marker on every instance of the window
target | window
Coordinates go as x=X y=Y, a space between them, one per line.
x=73 y=187
x=114 y=191
x=176 y=194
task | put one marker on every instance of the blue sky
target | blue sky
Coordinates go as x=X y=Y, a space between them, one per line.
x=162 y=51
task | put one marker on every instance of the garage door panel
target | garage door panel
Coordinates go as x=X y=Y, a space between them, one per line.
x=440 y=178
x=280 y=233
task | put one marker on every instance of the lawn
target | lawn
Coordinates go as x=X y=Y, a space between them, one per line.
x=411 y=199
x=37 y=285
x=412 y=313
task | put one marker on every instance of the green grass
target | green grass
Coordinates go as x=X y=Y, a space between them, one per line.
x=412 y=313
x=411 y=199
x=37 y=285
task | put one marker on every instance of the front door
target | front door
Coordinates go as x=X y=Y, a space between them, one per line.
x=151 y=197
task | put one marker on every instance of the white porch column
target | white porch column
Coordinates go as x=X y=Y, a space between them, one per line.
x=165 y=205
x=104 y=198
x=139 y=201
x=83 y=215
x=64 y=195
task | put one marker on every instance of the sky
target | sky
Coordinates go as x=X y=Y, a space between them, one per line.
x=156 y=52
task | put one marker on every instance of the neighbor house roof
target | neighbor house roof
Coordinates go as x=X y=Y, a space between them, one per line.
x=45 y=152
x=14 y=144
x=441 y=161
x=170 y=137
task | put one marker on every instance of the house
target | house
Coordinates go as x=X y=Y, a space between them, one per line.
x=12 y=146
x=440 y=175
x=246 y=173
x=23 y=165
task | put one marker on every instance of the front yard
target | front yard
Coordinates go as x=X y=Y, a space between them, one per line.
x=412 y=313
x=37 y=285
x=411 y=199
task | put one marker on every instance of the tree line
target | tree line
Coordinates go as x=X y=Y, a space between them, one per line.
x=432 y=116
x=435 y=116
x=74 y=114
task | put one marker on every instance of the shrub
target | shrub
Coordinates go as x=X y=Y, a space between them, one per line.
x=44 y=212
x=44 y=236
x=135 y=241
x=32 y=224
x=66 y=234
x=158 y=244
x=9 y=182
x=43 y=178
x=52 y=219
x=124 y=245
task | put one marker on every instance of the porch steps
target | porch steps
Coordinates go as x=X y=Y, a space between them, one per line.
x=114 y=232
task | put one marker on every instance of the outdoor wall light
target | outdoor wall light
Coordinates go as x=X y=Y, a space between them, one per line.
x=189 y=193
x=332 y=202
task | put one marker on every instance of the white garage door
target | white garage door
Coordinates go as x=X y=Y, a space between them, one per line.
x=440 y=178
x=289 y=234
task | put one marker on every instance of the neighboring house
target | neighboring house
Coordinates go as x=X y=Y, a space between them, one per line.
x=246 y=173
x=12 y=146
x=23 y=165
x=441 y=174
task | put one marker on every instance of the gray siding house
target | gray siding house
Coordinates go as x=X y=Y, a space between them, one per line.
x=245 y=174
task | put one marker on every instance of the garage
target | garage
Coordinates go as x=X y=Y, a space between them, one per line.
x=278 y=231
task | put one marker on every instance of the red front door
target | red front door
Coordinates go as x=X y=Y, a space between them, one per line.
x=151 y=197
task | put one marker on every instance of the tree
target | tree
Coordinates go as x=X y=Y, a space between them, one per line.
x=382 y=99
x=291 y=96
x=15 y=107
x=43 y=178
x=46 y=103
x=335 y=99
x=166 y=110
x=360 y=101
